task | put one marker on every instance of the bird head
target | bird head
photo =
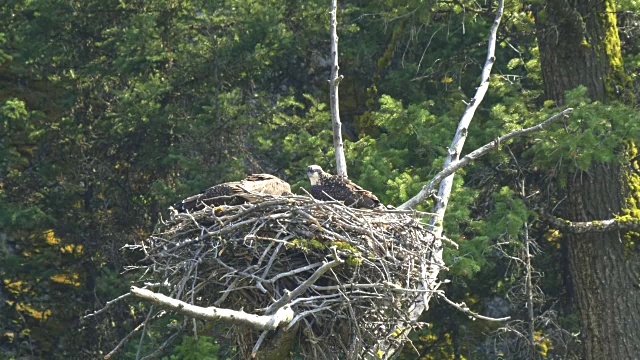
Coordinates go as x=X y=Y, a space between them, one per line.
x=314 y=172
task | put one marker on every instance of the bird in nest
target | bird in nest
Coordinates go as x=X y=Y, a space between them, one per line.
x=235 y=192
x=327 y=187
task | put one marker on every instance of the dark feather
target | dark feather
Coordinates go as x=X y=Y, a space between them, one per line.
x=235 y=193
x=332 y=187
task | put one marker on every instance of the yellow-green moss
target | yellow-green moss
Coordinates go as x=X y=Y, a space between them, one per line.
x=303 y=244
x=343 y=245
x=617 y=79
x=354 y=260
x=630 y=214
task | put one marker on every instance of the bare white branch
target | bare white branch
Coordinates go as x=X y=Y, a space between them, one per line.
x=465 y=309
x=288 y=296
x=386 y=349
x=459 y=139
x=341 y=163
x=581 y=227
x=258 y=322
x=454 y=166
x=442 y=200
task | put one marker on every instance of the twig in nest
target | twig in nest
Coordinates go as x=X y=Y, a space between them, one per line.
x=281 y=254
x=288 y=296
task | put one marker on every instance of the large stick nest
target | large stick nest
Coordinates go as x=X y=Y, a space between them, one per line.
x=248 y=257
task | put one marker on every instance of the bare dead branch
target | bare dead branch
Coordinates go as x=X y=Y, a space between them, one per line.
x=288 y=296
x=258 y=322
x=449 y=241
x=465 y=309
x=442 y=200
x=256 y=347
x=106 y=306
x=428 y=189
x=528 y=272
x=124 y=340
x=429 y=273
x=341 y=163
x=581 y=227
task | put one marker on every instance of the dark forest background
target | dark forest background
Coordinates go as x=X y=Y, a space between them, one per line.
x=112 y=110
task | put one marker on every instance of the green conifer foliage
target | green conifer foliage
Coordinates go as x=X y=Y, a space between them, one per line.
x=110 y=111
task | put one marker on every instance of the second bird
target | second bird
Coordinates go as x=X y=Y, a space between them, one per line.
x=327 y=187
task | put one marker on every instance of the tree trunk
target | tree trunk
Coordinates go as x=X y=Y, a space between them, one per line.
x=579 y=45
x=604 y=273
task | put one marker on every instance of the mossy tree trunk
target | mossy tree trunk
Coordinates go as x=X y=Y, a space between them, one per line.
x=579 y=45
x=603 y=272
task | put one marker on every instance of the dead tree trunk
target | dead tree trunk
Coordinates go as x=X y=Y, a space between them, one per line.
x=334 y=82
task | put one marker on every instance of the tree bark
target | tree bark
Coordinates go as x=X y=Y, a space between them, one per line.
x=604 y=273
x=579 y=45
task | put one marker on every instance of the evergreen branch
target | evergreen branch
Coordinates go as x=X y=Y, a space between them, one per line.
x=428 y=189
x=258 y=322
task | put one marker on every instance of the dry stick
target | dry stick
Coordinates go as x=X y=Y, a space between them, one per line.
x=193 y=285
x=314 y=298
x=144 y=331
x=454 y=166
x=464 y=308
x=226 y=293
x=124 y=340
x=288 y=296
x=529 y=288
x=107 y=305
x=272 y=259
x=334 y=81
x=295 y=271
x=303 y=314
x=258 y=322
x=256 y=347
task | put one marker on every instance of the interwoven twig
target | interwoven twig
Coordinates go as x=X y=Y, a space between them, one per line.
x=349 y=275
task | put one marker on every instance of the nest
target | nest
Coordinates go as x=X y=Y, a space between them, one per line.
x=349 y=275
